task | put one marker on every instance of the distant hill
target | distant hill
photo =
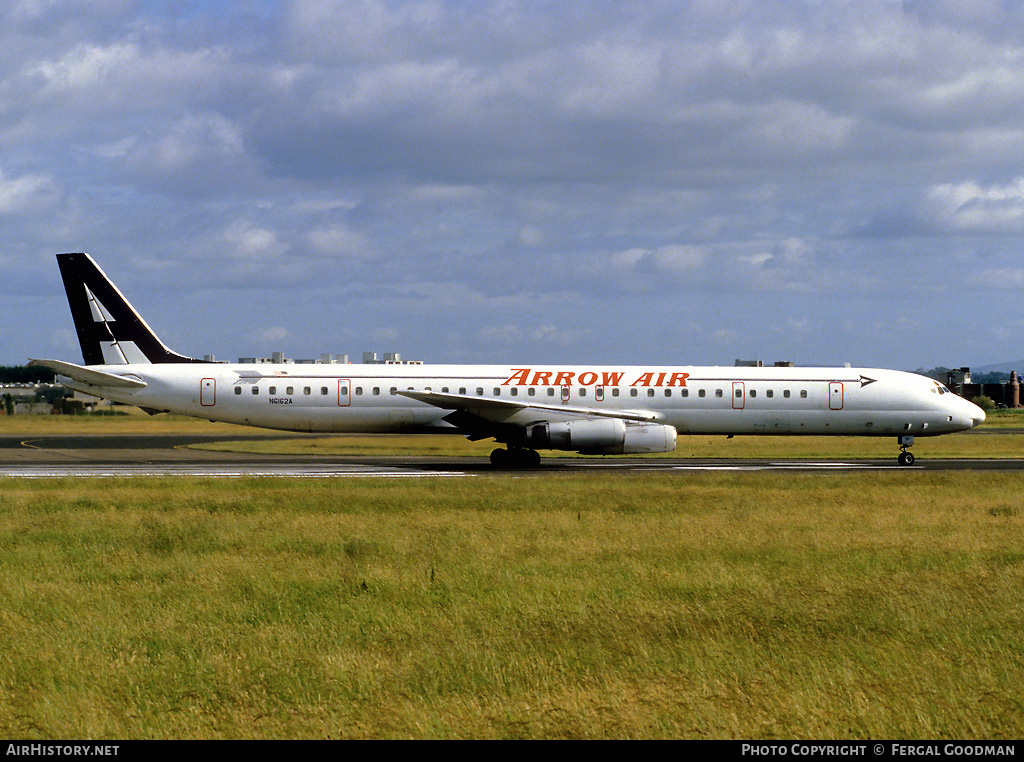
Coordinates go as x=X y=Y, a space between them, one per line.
x=1017 y=365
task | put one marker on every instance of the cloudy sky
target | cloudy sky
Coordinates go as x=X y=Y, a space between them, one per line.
x=522 y=181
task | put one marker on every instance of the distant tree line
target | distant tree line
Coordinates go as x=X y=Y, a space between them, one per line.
x=993 y=377
x=23 y=374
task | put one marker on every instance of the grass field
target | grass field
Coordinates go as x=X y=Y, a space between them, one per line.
x=740 y=605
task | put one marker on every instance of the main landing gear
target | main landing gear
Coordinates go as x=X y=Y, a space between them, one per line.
x=515 y=457
x=906 y=457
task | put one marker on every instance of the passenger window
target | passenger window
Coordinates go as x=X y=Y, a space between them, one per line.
x=668 y=392
x=632 y=392
x=479 y=391
x=753 y=393
x=462 y=390
x=323 y=390
x=803 y=394
x=307 y=391
x=359 y=391
x=551 y=391
x=532 y=392
x=515 y=391
x=650 y=392
x=615 y=392
x=272 y=391
x=376 y=391
x=785 y=393
x=685 y=393
x=238 y=390
x=255 y=390
x=290 y=390
x=583 y=392
x=702 y=393
x=770 y=393
x=718 y=392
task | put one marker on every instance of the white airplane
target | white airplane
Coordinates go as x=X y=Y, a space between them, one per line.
x=588 y=409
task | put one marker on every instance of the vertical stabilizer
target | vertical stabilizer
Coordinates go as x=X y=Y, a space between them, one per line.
x=109 y=329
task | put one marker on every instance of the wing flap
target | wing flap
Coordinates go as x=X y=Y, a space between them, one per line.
x=482 y=405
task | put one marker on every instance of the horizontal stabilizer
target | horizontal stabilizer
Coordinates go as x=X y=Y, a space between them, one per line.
x=89 y=376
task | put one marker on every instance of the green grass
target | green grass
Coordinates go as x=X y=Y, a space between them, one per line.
x=579 y=606
x=998 y=419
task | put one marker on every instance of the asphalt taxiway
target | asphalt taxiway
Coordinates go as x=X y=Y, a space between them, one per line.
x=170 y=455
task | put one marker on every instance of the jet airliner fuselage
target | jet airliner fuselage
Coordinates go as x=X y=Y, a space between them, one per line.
x=599 y=409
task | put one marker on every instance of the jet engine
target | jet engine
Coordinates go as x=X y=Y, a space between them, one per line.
x=603 y=436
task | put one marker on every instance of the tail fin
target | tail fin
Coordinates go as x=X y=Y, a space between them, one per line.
x=109 y=329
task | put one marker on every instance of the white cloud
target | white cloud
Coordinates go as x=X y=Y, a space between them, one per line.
x=971 y=206
x=250 y=243
x=87 y=67
x=629 y=258
x=275 y=333
x=530 y=236
x=612 y=79
x=340 y=240
x=679 y=258
x=198 y=139
x=28 y=193
x=1002 y=279
x=514 y=334
x=670 y=258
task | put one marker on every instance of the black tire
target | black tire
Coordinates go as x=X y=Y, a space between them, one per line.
x=906 y=459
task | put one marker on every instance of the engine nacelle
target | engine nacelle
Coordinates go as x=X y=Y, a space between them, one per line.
x=603 y=436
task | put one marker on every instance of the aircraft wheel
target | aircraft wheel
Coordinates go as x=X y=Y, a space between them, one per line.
x=524 y=458
x=906 y=459
x=515 y=458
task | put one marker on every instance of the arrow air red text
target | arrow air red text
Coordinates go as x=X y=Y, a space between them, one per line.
x=530 y=377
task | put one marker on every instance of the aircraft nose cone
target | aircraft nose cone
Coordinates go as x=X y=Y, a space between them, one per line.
x=976 y=414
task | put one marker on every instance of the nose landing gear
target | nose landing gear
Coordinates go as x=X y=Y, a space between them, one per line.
x=906 y=458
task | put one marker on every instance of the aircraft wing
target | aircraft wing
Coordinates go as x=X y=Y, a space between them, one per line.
x=491 y=408
x=88 y=375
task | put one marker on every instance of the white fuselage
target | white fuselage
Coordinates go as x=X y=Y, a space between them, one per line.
x=692 y=399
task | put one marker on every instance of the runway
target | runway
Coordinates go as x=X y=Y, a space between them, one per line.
x=83 y=456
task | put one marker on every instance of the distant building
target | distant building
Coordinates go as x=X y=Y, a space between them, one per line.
x=46 y=399
x=369 y=358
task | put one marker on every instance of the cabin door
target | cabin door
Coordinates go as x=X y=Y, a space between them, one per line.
x=835 y=395
x=208 y=392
